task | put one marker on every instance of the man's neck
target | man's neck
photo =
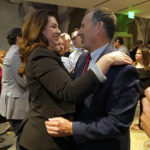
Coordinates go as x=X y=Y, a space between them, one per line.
x=98 y=45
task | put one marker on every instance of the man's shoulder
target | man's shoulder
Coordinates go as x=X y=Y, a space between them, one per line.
x=123 y=47
x=122 y=71
x=123 y=68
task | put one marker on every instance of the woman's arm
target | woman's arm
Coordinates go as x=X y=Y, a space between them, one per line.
x=56 y=80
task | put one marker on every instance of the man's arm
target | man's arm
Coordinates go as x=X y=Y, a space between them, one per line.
x=119 y=114
x=119 y=109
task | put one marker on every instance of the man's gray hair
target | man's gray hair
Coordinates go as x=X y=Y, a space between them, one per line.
x=107 y=16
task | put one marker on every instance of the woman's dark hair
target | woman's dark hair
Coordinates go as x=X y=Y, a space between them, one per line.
x=12 y=35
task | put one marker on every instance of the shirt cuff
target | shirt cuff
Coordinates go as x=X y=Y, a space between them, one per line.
x=97 y=71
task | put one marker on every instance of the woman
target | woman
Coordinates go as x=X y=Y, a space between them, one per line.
x=52 y=91
x=142 y=64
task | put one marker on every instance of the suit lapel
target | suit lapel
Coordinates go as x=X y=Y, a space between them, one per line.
x=109 y=48
x=80 y=65
x=82 y=59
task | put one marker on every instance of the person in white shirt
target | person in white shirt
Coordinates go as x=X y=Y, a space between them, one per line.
x=67 y=63
x=77 y=42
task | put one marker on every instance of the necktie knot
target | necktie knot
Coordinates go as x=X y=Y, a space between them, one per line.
x=88 y=58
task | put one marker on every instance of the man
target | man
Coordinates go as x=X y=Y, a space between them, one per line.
x=103 y=120
x=77 y=42
x=118 y=44
x=145 y=118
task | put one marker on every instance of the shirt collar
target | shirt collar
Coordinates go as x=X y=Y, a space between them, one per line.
x=14 y=47
x=95 y=54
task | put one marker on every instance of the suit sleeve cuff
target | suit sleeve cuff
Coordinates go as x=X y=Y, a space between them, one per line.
x=77 y=131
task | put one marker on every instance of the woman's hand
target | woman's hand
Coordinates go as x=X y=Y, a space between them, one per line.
x=113 y=59
x=59 y=127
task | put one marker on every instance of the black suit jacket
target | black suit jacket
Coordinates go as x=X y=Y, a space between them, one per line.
x=103 y=119
x=52 y=94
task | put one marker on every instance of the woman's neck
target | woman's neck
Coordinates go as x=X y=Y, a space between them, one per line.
x=140 y=65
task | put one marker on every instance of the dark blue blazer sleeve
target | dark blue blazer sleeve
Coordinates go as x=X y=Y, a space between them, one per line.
x=120 y=107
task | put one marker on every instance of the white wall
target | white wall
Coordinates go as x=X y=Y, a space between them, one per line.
x=9 y=18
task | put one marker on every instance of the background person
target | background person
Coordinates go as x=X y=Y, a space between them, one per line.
x=67 y=46
x=2 y=55
x=138 y=43
x=66 y=61
x=118 y=43
x=14 y=102
x=77 y=42
x=142 y=64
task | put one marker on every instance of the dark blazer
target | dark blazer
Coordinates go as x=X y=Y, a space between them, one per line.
x=107 y=113
x=52 y=94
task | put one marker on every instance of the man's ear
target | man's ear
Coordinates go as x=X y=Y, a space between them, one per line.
x=99 y=26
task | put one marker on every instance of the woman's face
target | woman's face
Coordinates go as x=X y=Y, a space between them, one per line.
x=60 y=46
x=66 y=44
x=2 y=58
x=52 y=32
x=138 y=55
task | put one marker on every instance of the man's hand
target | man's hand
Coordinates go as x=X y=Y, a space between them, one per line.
x=145 y=117
x=59 y=127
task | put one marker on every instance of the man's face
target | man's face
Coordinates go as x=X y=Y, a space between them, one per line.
x=88 y=31
x=52 y=32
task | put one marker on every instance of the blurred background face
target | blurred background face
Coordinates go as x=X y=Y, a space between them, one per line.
x=77 y=41
x=66 y=43
x=60 y=46
x=138 y=55
x=116 y=44
x=52 y=32
x=2 y=58
x=2 y=55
